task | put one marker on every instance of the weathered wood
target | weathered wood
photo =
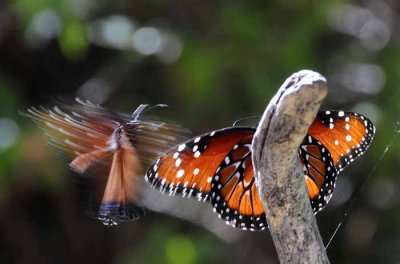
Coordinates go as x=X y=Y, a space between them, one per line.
x=279 y=173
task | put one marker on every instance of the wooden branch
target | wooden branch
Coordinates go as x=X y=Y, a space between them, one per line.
x=279 y=173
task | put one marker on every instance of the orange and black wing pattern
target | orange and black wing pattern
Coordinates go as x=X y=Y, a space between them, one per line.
x=319 y=172
x=345 y=135
x=189 y=168
x=214 y=167
x=234 y=194
x=217 y=166
x=334 y=140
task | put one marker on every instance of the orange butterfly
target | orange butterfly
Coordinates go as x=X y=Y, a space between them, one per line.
x=109 y=150
x=217 y=166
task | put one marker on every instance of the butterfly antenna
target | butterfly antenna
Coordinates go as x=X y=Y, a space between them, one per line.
x=245 y=118
x=144 y=108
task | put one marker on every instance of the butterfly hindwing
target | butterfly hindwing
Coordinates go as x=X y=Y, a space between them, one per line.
x=319 y=172
x=234 y=194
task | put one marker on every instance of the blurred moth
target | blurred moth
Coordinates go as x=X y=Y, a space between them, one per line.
x=109 y=150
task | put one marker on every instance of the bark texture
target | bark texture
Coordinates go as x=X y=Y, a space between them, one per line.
x=278 y=170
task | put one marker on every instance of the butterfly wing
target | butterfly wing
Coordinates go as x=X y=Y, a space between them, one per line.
x=139 y=141
x=319 y=172
x=76 y=127
x=108 y=151
x=219 y=165
x=234 y=194
x=118 y=203
x=84 y=133
x=152 y=138
x=111 y=184
x=345 y=135
x=215 y=166
x=188 y=169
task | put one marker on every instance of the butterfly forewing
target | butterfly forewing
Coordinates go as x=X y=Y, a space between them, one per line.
x=152 y=138
x=75 y=129
x=188 y=168
x=345 y=135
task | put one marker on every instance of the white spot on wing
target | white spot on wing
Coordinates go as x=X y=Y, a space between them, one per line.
x=178 y=162
x=180 y=173
x=181 y=147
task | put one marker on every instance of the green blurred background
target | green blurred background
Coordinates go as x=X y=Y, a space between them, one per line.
x=213 y=62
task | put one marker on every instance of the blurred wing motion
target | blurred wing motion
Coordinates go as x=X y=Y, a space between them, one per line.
x=110 y=151
x=217 y=166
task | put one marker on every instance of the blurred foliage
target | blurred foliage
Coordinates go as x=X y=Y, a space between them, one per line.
x=213 y=62
x=73 y=39
x=174 y=247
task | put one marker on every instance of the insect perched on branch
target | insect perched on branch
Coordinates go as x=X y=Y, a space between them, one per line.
x=108 y=150
x=217 y=166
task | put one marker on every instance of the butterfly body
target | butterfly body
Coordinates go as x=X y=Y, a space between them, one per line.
x=217 y=166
